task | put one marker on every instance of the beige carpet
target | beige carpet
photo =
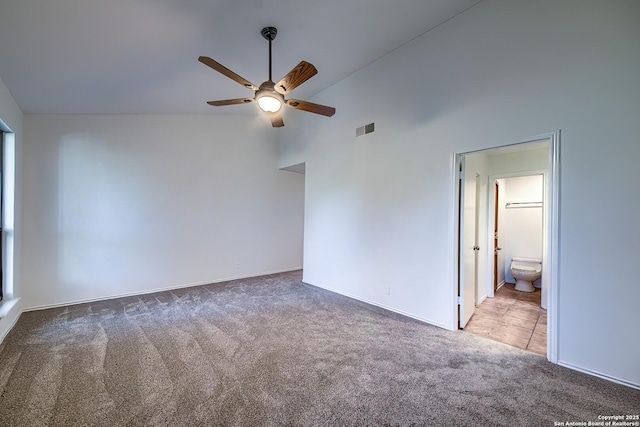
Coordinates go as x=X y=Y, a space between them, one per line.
x=272 y=351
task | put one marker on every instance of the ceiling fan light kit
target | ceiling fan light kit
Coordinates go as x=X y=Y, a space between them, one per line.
x=269 y=104
x=270 y=96
x=268 y=99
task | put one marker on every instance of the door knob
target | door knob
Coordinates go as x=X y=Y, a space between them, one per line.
x=498 y=249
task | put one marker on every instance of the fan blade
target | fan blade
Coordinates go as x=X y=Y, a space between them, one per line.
x=227 y=72
x=300 y=74
x=276 y=120
x=230 y=102
x=311 y=107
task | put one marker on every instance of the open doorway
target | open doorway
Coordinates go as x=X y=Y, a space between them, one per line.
x=514 y=314
x=300 y=169
x=483 y=273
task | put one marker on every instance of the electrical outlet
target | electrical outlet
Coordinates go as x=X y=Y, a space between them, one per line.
x=237 y=265
x=387 y=290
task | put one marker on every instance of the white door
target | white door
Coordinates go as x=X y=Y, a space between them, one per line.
x=467 y=245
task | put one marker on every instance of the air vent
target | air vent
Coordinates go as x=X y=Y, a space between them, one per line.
x=363 y=130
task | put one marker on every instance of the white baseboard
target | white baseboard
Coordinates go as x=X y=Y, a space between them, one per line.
x=376 y=304
x=599 y=375
x=152 y=291
x=12 y=319
x=501 y=284
x=566 y=365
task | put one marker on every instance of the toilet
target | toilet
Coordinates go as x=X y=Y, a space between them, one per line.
x=526 y=271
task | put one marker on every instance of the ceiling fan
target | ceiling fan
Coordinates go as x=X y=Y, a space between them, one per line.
x=270 y=95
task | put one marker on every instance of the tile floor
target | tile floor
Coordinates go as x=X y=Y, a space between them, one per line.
x=512 y=317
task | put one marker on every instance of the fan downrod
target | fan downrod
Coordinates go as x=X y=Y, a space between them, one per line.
x=269 y=33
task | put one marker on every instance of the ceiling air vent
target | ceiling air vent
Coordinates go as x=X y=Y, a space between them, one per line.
x=363 y=130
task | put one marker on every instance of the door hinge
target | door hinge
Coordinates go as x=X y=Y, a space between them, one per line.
x=459 y=300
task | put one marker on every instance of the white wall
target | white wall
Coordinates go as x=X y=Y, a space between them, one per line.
x=120 y=204
x=11 y=119
x=522 y=225
x=380 y=208
x=519 y=161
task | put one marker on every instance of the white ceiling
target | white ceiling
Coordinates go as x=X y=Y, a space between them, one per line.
x=140 y=56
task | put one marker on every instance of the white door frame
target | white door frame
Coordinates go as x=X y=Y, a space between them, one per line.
x=550 y=240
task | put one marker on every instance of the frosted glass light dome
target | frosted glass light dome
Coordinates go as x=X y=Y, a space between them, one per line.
x=269 y=104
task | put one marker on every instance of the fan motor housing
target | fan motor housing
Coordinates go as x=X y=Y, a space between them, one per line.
x=269 y=33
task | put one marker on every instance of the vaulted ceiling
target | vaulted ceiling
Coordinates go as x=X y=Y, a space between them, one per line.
x=141 y=56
